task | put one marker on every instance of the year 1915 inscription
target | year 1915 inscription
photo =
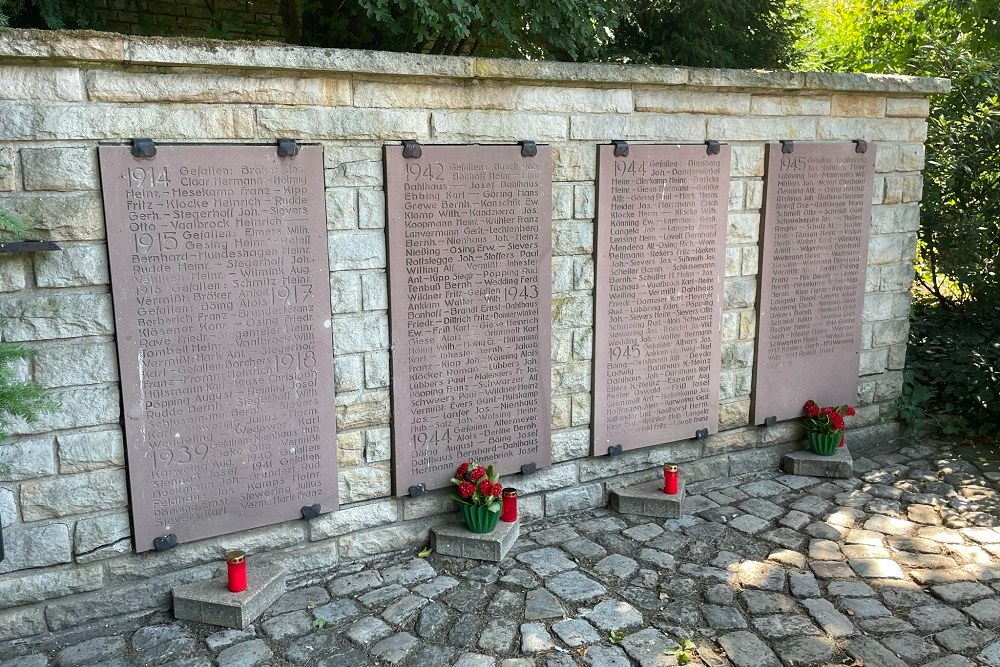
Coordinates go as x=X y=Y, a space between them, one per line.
x=661 y=234
x=469 y=269
x=221 y=291
x=817 y=211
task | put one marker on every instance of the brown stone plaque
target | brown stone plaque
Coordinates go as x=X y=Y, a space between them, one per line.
x=814 y=258
x=661 y=243
x=221 y=285
x=470 y=256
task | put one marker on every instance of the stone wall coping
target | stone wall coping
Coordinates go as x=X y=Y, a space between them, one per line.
x=101 y=47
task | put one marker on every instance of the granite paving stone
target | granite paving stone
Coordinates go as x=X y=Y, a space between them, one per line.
x=910 y=647
x=245 y=654
x=963 y=638
x=745 y=649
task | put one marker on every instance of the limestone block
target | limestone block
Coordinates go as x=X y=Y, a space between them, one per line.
x=371 y=209
x=7 y=177
x=878 y=306
x=875 y=83
x=867 y=106
x=562 y=202
x=102 y=536
x=350 y=448
x=878 y=190
x=405 y=94
x=580 y=407
x=457 y=540
x=8 y=507
x=572 y=238
x=639 y=127
x=889 y=386
x=341 y=208
x=880 y=129
x=583 y=343
x=743 y=228
x=573 y=162
x=734 y=414
x=356 y=250
x=739 y=293
x=893 y=193
x=33 y=121
x=73 y=494
x=64 y=168
x=885 y=248
x=350 y=519
x=345 y=292
x=570 y=378
x=213 y=88
x=320 y=123
x=737 y=194
x=567 y=445
x=348 y=373
x=786 y=431
x=27 y=459
x=573 y=100
x=562 y=275
x=78 y=407
x=873 y=274
x=90 y=450
x=670 y=100
x=38 y=586
x=873 y=361
x=636 y=460
x=572 y=310
x=730 y=326
x=899 y=157
x=901 y=304
x=67 y=365
x=407 y=535
x=562 y=413
x=374 y=291
x=583 y=273
x=866 y=391
x=883 y=219
x=755 y=195
x=804 y=462
x=544 y=479
x=575 y=499
x=33 y=545
x=913 y=187
x=755 y=460
x=56 y=316
x=361 y=332
x=790 y=105
x=352 y=166
x=431 y=503
x=749 y=261
x=734 y=260
x=378 y=444
x=583 y=201
x=762 y=129
x=748 y=324
x=890 y=332
x=730 y=441
x=908 y=219
x=361 y=409
x=73 y=266
x=376 y=370
x=908 y=107
x=41 y=83
x=727 y=385
x=365 y=483
x=482 y=126
x=737 y=354
x=75 y=216
x=23 y=622
x=747 y=161
x=897 y=357
x=77 y=45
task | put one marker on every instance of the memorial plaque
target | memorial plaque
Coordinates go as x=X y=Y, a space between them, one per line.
x=470 y=257
x=814 y=260
x=661 y=243
x=221 y=291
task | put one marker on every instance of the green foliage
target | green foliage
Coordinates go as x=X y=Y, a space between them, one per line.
x=683 y=653
x=19 y=399
x=51 y=14
x=616 y=636
x=709 y=33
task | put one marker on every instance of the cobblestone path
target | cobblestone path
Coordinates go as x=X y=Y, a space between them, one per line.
x=895 y=568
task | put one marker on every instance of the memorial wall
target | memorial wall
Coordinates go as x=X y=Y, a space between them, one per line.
x=236 y=336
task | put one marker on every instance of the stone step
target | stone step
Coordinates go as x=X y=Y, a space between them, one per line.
x=808 y=464
x=648 y=499
x=211 y=602
x=457 y=540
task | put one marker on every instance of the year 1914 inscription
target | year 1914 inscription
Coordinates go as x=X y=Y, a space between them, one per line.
x=661 y=235
x=470 y=260
x=817 y=211
x=221 y=291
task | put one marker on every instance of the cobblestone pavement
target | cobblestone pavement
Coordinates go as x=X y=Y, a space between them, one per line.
x=899 y=566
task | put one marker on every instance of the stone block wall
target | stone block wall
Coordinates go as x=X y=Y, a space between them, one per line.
x=63 y=502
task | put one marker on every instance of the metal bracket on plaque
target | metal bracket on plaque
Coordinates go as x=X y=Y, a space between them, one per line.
x=787 y=146
x=860 y=146
x=143 y=148
x=165 y=542
x=417 y=490
x=29 y=246
x=412 y=148
x=770 y=421
x=621 y=147
x=288 y=148
x=615 y=450
x=713 y=147
x=528 y=148
x=701 y=433
x=528 y=469
x=310 y=511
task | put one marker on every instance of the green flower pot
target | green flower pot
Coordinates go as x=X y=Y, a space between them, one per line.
x=824 y=444
x=479 y=519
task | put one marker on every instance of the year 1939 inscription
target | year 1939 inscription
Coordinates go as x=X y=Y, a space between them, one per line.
x=817 y=212
x=469 y=270
x=661 y=232
x=221 y=293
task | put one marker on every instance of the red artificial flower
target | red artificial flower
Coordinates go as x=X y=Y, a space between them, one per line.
x=477 y=474
x=841 y=440
x=837 y=421
x=486 y=488
x=462 y=469
x=812 y=410
x=849 y=411
x=497 y=490
x=465 y=489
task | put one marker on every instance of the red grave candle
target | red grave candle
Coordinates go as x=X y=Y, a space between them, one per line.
x=236 y=565
x=670 y=479
x=509 y=511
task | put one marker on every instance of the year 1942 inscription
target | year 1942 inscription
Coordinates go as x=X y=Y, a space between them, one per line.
x=221 y=292
x=469 y=269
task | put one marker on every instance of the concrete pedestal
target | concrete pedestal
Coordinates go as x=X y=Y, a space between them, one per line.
x=808 y=464
x=457 y=540
x=648 y=499
x=211 y=602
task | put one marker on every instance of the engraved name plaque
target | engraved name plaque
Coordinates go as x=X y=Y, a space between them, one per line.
x=661 y=236
x=220 y=275
x=814 y=252
x=470 y=256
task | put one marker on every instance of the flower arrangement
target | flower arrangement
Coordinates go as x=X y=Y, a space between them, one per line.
x=477 y=485
x=826 y=420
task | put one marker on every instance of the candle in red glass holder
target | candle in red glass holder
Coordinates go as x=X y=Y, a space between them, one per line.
x=236 y=564
x=670 y=479
x=509 y=511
